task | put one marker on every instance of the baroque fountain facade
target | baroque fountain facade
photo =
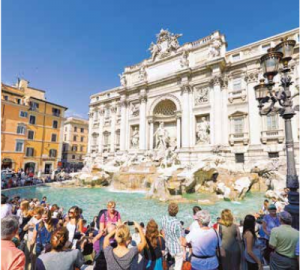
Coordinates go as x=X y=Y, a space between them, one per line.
x=186 y=120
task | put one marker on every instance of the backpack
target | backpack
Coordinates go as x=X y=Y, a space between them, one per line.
x=101 y=212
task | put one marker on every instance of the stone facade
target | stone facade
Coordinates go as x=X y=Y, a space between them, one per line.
x=196 y=99
x=75 y=142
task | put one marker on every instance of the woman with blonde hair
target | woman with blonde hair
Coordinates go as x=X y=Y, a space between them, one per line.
x=231 y=241
x=25 y=215
x=42 y=233
x=121 y=258
x=37 y=213
x=153 y=252
x=59 y=257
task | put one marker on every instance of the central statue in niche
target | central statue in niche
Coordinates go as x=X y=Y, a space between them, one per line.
x=161 y=137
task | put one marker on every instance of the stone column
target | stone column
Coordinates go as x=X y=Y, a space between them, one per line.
x=123 y=104
x=90 y=131
x=255 y=125
x=178 y=131
x=113 y=128
x=185 y=89
x=217 y=109
x=151 y=134
x=101 y=124
x=142 y=130
x=224 y=111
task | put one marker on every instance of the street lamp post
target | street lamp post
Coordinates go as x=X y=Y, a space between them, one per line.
x=264 y=94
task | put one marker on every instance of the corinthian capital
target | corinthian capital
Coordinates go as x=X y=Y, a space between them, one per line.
x=216 y=80
x=186 y=88
x=251 y=76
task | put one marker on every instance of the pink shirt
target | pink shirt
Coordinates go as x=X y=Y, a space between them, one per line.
x=11 y=257
x=107 y=218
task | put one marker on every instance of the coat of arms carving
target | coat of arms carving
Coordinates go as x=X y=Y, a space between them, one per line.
x=166 y=44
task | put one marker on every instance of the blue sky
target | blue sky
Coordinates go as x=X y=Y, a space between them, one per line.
x=76 y=48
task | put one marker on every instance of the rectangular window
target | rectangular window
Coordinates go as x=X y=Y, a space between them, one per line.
x=52 y=153
x=23 y=114
x=53 y=138
x=239 y=158
x=236 y=57
x=273 y=154
x=238 y=125
x=66 y=129
x=81 y=148
x=34 y=106
x=73 y=156
x=55 y=124
x=237 y=84
x=82 y=139
x=30 y=135
x=82 y=130
x=20 y=129
x=265 y=47
x=75 y=129
x=6 y=98
x=65 y=138
x=75 y=138
x=19 y=146
x=18 y=101
x=29 y=152
x=32 y=119
x=272 y=123
x=56 y=112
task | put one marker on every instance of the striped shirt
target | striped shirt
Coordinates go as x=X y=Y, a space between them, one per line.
x=171 y=228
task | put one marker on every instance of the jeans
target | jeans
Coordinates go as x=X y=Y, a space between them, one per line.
x=252 y=266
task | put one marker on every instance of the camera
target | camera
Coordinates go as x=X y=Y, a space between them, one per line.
x=130 y=223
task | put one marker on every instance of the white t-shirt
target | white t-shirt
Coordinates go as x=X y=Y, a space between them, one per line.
x=204 y=243
x=6 y=210
x=194 y=225
x=32 y=221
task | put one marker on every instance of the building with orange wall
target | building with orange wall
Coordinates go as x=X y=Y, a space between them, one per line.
x=31 y=129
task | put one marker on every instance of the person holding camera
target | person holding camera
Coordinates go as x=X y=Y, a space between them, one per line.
x=121 y=258
x=59 y=257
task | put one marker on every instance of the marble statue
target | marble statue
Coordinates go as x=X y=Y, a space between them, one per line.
x=135 y=137
x=184 y=61
x=161 y=137
x=154 y=49
x=123 y=79
x=203 y=131
x=135 y=110
x=201 y=95
x=142 y=74
x=215 y=48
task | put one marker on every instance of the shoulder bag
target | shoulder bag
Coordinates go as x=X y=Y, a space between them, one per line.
x=218 y=252
x=164 y=261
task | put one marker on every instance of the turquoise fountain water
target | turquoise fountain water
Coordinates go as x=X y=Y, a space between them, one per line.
x=132 y=206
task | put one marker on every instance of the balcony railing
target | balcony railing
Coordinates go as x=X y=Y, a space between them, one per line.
x=272 y=135
x=238 y=138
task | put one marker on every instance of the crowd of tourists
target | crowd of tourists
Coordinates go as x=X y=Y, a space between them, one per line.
x=37 y=234
x=20 y=178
